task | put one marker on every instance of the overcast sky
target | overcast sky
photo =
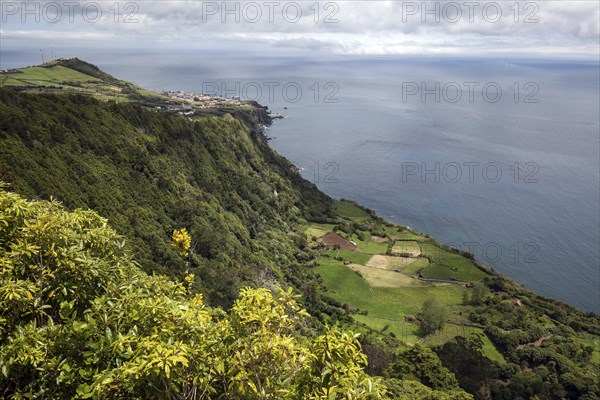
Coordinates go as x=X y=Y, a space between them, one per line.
x=563 y=29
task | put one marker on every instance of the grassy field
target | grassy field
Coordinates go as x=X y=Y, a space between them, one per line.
x=377 y=277
x=368 y=246
x=409 y=247
x=45 y=76
x=350 y=210
x=403 y=331
x=317 y=230
x=438 y=271
x=489 y=350
x=450 y=331
x=406 y=235
x=447 y=265
x=390 y=262
x=346 y=286
x=348 y=255
x=371 y=284
x=58 y=77
x=55 y=78
x=417 y=266
x=379 y=239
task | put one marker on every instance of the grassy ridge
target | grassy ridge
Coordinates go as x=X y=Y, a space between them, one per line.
x=77 y=77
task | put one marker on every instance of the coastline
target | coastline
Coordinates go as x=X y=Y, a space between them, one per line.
x=480 y=265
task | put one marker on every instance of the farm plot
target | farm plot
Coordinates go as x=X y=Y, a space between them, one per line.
x=381 y=278
x=389 y=262
x=408 y=247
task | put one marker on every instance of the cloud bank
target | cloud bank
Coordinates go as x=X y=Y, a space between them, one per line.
x=354 y=27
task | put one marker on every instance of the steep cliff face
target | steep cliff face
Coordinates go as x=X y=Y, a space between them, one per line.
x=150 y=173
x=260 y=113
x=254 y=115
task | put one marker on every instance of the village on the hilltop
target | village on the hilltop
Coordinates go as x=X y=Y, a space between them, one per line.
x=198 y=100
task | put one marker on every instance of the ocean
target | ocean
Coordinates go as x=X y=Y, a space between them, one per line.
x=498 y=157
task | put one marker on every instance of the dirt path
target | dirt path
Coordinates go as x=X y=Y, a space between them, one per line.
x=536 y=343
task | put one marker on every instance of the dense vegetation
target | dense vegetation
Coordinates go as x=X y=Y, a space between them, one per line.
x=495 y=339
x=79 y=319
x=211 y=216
x=150 y=173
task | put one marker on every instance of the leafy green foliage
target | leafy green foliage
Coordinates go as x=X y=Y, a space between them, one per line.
x=149 y=173
x=464 y=358
x=479 y=293
x=414 y=390
x=431 y=317
x=554 y=368
x=78 y=319
x=422 y=364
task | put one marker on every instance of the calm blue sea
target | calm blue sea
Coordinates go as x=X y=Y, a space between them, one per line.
x=499 y=157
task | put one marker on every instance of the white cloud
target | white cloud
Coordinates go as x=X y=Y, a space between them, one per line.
x=339 y=27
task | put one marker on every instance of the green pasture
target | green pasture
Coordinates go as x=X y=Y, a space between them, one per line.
x=347 y=286
x=447 y=264
x=403 y=331
x=417 y=266
x=349 y=209
x=317 y=230
x=377 y=277
x=369 y=246
x=45 y=76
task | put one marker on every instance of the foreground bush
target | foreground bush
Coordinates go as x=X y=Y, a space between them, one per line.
x=79 y=319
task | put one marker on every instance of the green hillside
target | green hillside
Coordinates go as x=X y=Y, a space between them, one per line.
x=80 y=320
x=432 y=319
x=150 y=173
x=77 y=77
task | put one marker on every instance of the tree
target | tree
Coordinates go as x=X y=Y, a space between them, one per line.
x=479 y=293
x=79 y=319
x=431 y=317
x=465 y=298
x=464 y=358
x=422 y=364
x=414 y=390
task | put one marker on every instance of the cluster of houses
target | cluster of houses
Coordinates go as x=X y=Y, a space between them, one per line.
x=201 y=100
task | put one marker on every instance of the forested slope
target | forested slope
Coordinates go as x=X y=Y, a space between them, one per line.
x=150 y=173
x=253 y=222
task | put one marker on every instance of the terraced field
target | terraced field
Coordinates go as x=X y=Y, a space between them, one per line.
x=408 y=247
x=389 y=262
x=375 y=279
